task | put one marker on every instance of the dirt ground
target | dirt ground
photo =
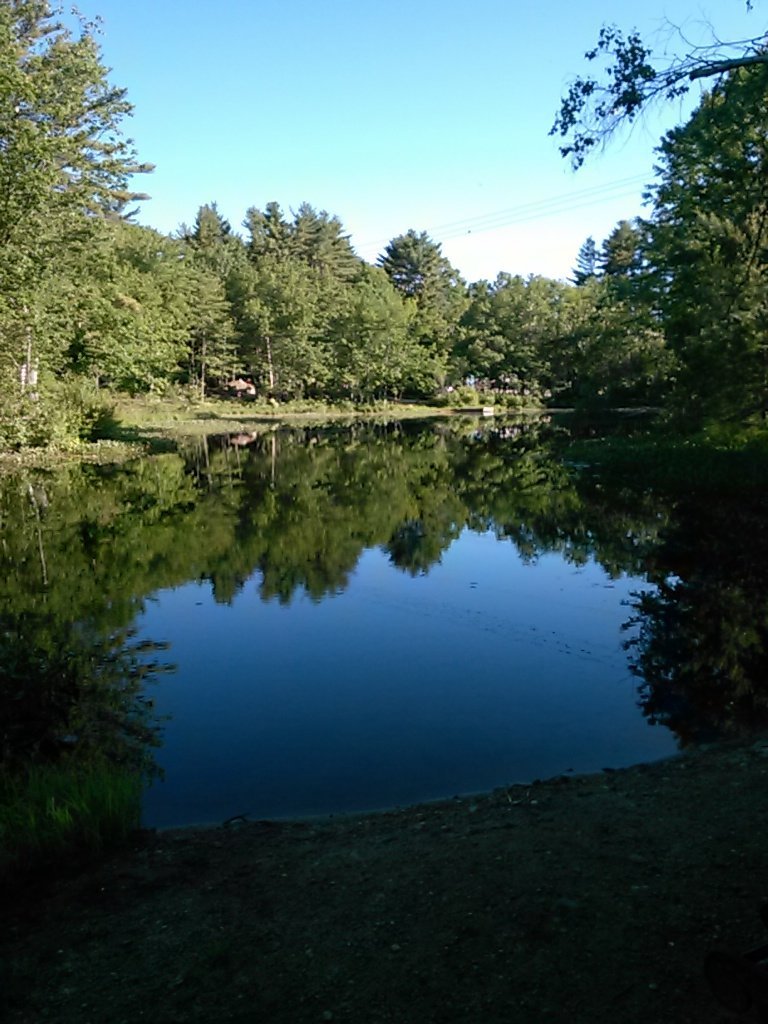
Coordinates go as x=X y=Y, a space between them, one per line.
x=582 y=899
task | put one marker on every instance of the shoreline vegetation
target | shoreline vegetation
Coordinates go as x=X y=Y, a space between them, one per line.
x=667 y=311
x=141 y=426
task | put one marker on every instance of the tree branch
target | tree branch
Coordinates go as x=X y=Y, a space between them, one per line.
x=727 y=65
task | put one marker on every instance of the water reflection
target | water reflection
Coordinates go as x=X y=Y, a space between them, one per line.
x=297 y=516
x=701 y=650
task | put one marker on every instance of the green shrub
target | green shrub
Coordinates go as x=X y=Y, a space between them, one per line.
x=62 y=414
x=466 y=396
x=84 y=412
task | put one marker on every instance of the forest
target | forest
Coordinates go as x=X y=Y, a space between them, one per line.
x=667 y=311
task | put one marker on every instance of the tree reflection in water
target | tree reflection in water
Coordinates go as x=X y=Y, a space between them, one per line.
x=294 y=509
x=702 y=641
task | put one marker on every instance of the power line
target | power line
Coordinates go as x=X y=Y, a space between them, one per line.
x=551 y=212
x=534 y=206
x=536 y=210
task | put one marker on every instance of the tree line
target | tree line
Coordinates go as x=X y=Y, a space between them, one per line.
x=668 y=310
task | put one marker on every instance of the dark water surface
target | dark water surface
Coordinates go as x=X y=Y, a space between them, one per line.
x=363 y=617
x=399 y=689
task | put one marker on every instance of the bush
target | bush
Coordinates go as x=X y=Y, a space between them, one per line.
x=62 y=415
x=465 y=396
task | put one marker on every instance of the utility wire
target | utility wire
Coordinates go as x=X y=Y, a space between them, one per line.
x=536 y=210
x=540 y=204
x=563 y=208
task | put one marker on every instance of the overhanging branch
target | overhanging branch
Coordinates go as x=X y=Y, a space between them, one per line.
x=719 y=67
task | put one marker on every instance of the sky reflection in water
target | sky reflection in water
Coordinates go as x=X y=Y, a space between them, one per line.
x=402 y=688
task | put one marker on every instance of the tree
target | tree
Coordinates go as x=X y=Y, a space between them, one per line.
x=506 y=330
x=281 y=313
x=319 y=240
x=214 y=255
x=416 y=266
x=269 y=232
x=132 y=320
x=374 y=352
x=620 y=254
x=212 y=242
x=619 y=355
x=708 y=246
x=586 y=263
x=211 y=229
x=210 y=349
x=63 y=168
x=59 y=123
x=594 y=108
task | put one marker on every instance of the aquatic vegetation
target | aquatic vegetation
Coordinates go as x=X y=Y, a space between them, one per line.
x=712 y=462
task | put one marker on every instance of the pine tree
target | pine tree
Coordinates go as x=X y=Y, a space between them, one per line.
x=709 y=250
x=269 y=233
x=416 y=266
x=620 y=254
x=586 y=268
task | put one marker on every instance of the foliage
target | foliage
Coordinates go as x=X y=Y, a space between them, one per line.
x=374 y=353
x=506 y=332
x=417 y=268
x=586 y=263
x=314 y=239
x=666 y=311
x=63 y=167
x=62 y=153
x=594 y=108
x=708 y=242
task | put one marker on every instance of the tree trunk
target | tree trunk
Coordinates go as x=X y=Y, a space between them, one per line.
x=203 y=354
x=29 y=369
x=270 y=368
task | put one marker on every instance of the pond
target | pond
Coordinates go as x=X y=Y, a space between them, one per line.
x=317 y=621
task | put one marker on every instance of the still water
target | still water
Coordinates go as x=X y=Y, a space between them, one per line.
x=400 y=689
x=308 y=621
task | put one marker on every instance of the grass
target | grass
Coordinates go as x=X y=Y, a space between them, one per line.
x=149 y=424
x=170 y=410
x=176 y=414
x=53 y=810
x=712 y=461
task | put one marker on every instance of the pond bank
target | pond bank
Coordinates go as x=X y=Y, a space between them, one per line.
x=143 y=429
x=591 y=898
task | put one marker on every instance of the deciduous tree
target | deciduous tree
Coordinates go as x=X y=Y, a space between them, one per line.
x=632 y=77
x=64 y=167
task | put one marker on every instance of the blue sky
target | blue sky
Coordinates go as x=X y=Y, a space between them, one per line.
x=428 y=114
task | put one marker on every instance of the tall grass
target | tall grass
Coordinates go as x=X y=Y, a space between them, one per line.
x=59 y=809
